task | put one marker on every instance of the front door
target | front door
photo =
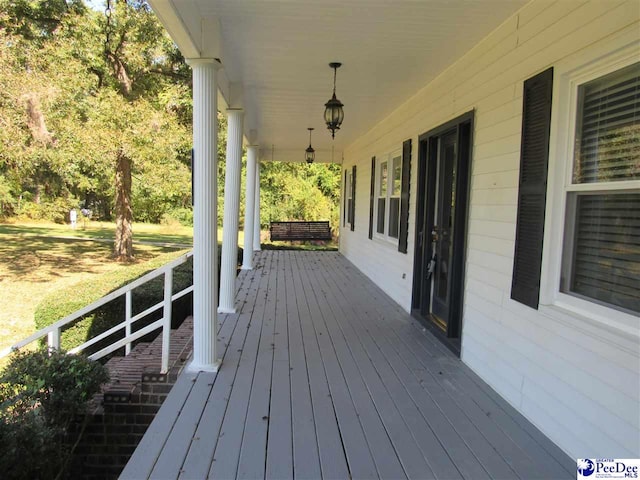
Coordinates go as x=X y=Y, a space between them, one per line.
x=441 y=220
x=439 y=267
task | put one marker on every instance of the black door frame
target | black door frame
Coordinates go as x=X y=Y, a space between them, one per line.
x=425 y=215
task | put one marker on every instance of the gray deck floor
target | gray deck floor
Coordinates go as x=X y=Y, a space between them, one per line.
x=324 y=376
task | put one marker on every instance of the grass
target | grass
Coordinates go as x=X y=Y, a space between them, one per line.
x=147 y=233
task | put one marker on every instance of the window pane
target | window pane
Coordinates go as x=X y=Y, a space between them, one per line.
x=608 y=128
x=394 y=217
x=381 y=215
x=383 y=180
x=349 y=211
x=606 y=249
x=397 y=176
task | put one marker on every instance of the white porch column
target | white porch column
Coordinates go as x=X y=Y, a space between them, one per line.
x=256 y=223
x=229 y=259
x=249 y=199
x=205 y=242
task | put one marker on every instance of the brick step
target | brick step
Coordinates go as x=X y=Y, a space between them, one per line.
x=139 y=372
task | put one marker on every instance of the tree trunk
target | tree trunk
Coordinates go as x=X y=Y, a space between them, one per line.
x=123 y=248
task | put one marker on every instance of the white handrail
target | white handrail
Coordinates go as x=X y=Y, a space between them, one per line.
x=53 y=331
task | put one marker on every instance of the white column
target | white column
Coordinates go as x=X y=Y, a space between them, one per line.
x=233 y=170
x=205 y=242
x=256 y=222
x=249 y=208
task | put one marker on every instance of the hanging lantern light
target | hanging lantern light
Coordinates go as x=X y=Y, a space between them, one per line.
x=333 y=112
x=309 y=153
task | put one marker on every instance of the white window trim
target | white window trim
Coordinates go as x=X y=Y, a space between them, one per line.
x=385 y=237
x=568 y=76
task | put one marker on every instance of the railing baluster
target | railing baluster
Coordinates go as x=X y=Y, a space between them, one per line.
x=53 y=339
x=166 y=326
x=128 y=308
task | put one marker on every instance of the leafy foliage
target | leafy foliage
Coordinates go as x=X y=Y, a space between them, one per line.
x=297 y=191
x=41 y=394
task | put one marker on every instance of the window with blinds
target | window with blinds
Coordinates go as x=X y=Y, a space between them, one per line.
x=601 y=258
x=608 y=128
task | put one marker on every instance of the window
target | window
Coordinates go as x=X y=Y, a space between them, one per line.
x=348 y=198
x=601 y=251
x=383 y=182
x=388 y=189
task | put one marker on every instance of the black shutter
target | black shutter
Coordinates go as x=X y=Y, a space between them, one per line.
x=404 y=196
x=534 y=158
x=372 y=195
x=353 y=198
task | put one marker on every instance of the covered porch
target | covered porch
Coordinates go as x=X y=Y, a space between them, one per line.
x=324 y=376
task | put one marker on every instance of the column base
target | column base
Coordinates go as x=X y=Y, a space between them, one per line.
x=193 y=367
x=246 y=267
x=226 y=310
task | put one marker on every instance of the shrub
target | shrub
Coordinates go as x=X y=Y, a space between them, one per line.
x=56 y=210
x=41 y=394
x=182 y=215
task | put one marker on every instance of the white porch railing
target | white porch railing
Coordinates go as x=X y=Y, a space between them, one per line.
x=54 y=331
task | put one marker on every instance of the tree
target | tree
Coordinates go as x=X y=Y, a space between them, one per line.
x=82 y=94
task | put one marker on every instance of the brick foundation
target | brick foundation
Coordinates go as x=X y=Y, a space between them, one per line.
x=121 y=415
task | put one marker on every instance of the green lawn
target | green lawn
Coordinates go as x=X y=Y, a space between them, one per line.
x=142 y=232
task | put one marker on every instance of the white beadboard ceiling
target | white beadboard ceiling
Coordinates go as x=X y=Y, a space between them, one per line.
x=278 y=52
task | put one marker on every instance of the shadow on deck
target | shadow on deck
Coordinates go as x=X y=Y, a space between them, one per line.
x=324 y=376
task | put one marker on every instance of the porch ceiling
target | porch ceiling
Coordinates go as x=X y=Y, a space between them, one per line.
x=277 y=52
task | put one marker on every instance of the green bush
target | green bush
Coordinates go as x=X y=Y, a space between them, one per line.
x=55 y=210
x=41 y=394
x=184 y=216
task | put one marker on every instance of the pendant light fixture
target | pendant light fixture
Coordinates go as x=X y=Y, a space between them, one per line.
x=333 y=112
x=310 y=153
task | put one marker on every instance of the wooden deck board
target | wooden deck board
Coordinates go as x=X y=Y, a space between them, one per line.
x=455 y=446
x=529 y=451
x=306 y=459
x=361 y=374
x=324 y=376
x=434 y=372
x=198 y=460
x=227 y=451
x=437 y=456
x=358 y=458
x=254 y=442
x=279 y=442
x=333 y=463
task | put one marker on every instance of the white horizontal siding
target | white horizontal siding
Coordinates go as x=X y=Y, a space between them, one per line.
x=577 y=381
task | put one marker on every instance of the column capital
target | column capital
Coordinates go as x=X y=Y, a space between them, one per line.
x=235 y=109
x=192 y=62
